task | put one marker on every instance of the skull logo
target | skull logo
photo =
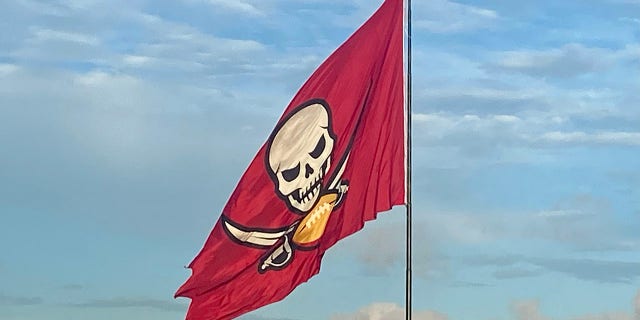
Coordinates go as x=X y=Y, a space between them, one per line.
x=299 y=155
x=298 y=158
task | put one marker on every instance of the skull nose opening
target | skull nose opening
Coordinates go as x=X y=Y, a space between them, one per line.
x=308 y=171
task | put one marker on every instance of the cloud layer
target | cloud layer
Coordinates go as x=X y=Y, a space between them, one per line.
x=519 y=310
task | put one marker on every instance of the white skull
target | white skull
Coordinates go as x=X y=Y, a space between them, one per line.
x=299 y=156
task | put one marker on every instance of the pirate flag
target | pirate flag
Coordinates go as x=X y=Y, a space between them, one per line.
x=334 y=160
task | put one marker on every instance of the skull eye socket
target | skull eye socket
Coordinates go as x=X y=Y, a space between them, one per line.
x=317 y=151
x=291 y=174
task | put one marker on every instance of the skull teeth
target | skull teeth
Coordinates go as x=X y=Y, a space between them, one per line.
x=310 y=192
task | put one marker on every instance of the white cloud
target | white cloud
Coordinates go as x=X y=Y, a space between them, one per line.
x=484 y=93
x=7 y=69
x=45 y=34
x=237 y=6
x=630 y=52
x=134 y=302
x=179 y=48
x=605 y=316
x=582 y=221
x=617 y=315
x=530 y=310
x=554 y=62
x=388 y=311
x=444 y=16
x=380 y=248
x=637 y=305
x=80 y=4
x=464 y=228
x=8 y=300
x=480 y=135
x=520 y=310
x=632 y=20
x=41 y=7
x=157 y=45
x=600 y=138
x=442 y=125
x=570 y=60
x=135 y=60
x=527 y=310
x=561 y=213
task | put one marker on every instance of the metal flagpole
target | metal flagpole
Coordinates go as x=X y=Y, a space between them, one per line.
x=409 y=239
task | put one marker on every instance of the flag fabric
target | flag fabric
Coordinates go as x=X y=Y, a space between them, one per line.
x=334 y=160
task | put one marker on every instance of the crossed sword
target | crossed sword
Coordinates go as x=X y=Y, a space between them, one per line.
x=282 y=255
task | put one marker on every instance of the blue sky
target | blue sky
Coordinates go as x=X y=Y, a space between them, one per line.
x=125 y=125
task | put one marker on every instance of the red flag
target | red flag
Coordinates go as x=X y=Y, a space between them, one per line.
x=334 y=160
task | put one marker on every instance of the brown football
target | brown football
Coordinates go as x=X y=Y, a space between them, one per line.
x=312 y=226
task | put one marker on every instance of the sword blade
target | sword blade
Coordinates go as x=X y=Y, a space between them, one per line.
x=255 y=237
x=336 y=179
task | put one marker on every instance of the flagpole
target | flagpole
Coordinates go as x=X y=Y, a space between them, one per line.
x=409 y=239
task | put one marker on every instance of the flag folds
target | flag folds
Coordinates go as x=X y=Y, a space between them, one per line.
x=334 y=160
